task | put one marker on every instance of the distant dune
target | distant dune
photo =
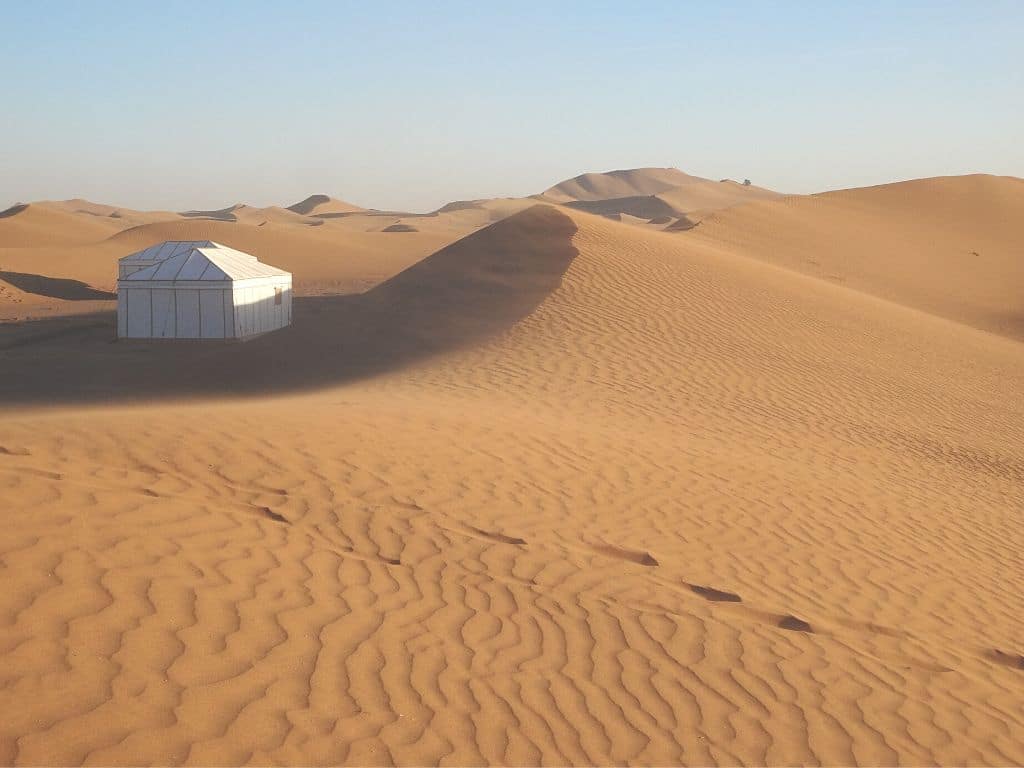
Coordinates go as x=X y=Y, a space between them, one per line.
x=668 y=194
x=222 y=214
x=14 y=210
x=320 y=204
x=713 y=195
x=39 y=225
x=643 y=207
x=628 y=183
x=549 y=490
x=328 y=256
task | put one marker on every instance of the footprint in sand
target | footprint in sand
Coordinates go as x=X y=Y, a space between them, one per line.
x=41 y=473
x=270 y=514
x=1012 y=660
x=788 y=622
x=406 y=504
x=499 y=537
x=629 y=555
x=715 y=595
x=793 y=624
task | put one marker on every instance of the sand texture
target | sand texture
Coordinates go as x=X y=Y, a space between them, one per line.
x=551 y=490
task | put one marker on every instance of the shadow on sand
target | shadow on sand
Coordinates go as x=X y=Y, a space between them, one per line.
x=55 y=287
x=14 y=210
x=462 y=294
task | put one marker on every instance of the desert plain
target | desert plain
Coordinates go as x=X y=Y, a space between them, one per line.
x=642 y=469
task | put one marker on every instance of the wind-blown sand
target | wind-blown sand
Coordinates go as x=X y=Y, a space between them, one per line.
x=566 y=491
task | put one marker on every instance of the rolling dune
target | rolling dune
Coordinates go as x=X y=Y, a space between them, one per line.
x=669 y=196
x=950 y=246
x=627 y=183
x=337 y=257
x=566 y=491
x=320 y=204
x=40 y=225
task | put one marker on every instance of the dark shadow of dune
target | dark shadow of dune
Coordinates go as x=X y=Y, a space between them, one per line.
x=224 y=214
x=338 y=214
x=14 y=210
x=642 y=207
x=461 y=295
x=55 y=287
x=683 y=224
x=372 y=212
x=304 y=207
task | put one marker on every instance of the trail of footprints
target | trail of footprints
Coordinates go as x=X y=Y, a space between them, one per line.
x=788 y=622
x=503 y=610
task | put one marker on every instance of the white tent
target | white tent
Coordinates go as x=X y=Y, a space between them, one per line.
x=199 y=290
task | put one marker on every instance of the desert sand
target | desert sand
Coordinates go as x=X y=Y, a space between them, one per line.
x=526 y=484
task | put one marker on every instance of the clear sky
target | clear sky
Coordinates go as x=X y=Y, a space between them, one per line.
x=410 y=105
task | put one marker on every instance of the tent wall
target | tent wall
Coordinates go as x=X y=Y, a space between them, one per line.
x=139 y=314
x=262 y=305
x=211 y=314
x=163 y=309
x=175 y=313
x=122 y=314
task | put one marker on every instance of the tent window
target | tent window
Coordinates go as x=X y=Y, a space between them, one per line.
x=277 y=296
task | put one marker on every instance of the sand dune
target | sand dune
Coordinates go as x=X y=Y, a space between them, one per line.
x=567 y=491
x=39 y=225
x=678 y=200
x=253 y=215
x=950 y=246
x=320 y=204
x=627 y=183
x=329 y=259
x=469 y=290
x=644 y=207
x=713 y=195
x=336 y=249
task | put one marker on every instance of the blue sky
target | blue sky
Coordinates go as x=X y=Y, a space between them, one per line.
x=410 y=105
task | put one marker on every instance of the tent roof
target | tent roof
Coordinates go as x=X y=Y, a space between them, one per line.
x=198 y=260
x=166 y=249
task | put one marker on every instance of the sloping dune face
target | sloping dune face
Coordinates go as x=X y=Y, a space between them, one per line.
x=37 y=224
x=627 y=183
x=951 y=246
x=687 y=507
x=658 y=194
x=706 y=195
x=320 y=204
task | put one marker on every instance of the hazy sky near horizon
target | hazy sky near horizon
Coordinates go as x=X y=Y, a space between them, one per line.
x=410 y=105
